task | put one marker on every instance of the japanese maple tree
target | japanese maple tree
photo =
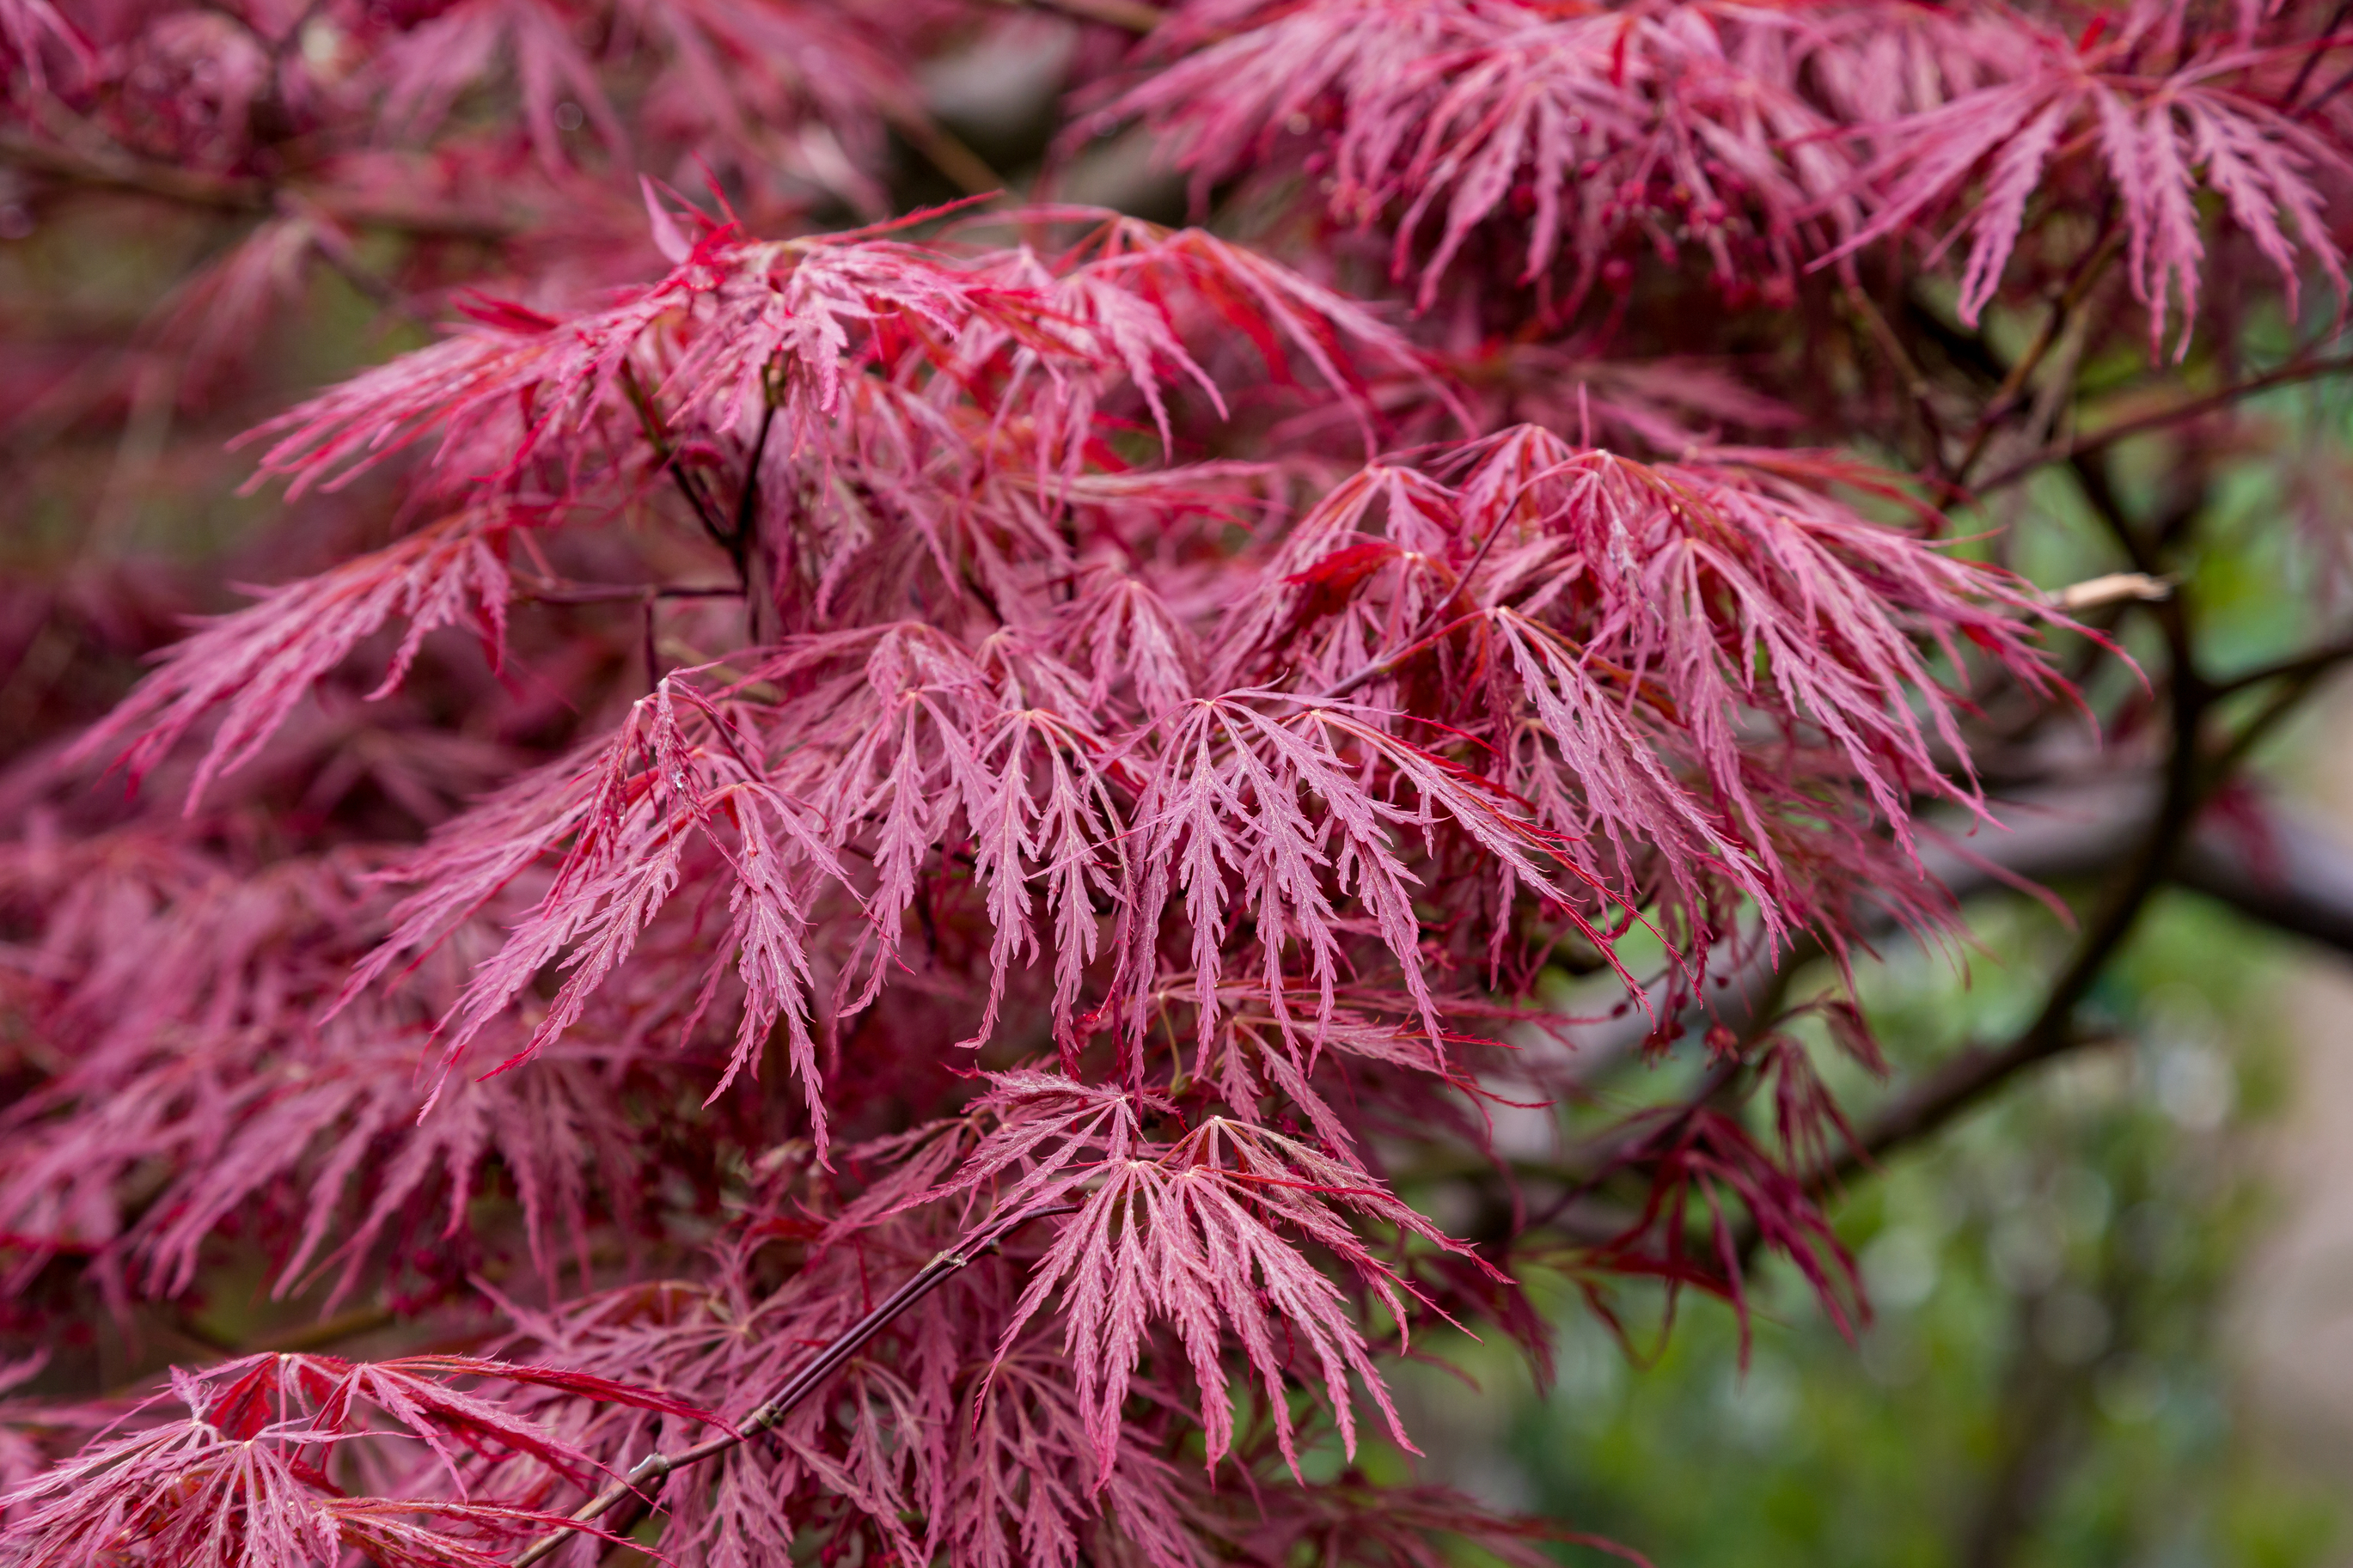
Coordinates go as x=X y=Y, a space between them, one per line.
x=871 y=876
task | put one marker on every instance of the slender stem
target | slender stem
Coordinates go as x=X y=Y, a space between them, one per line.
x=1423 y=636
x=115 y=171
x=656 y=434
x=965 y=169
x=803 y=1382
x=2267 y=719
x=1907 y=369
x=547 y=593
x=2013 y=385
x=2312 y=58
x=740 y=538
x=1382 y=665
x=2099 y=441
x=1131 y=14
x=327 y=1330
x=2315 y=661
x=2344 y=80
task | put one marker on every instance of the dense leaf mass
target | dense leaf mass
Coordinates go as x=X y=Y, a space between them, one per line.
x=1021 y=784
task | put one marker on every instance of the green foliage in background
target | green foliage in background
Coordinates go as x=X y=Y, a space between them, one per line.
x=2047 y=1381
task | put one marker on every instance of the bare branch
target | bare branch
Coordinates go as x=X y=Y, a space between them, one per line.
x=113 y=170
x=1131 y=14
x=2298 y=667
x=1962 y=1080
x=2100 y=440
x=2064 y=300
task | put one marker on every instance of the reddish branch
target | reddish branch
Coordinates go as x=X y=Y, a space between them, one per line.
x=806 y=1381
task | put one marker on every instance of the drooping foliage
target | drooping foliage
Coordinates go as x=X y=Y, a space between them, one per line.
x=1138 y=742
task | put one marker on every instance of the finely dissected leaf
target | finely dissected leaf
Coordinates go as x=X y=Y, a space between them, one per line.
x=1624 y=625
x=244 y=1480
x=1282 y=804
x=675 y=778
x=1703 y=1155
x=814 y=328
x=259 y=662
x=1187 y=1235
x=1585 y=127
x=2160 y=141
x=1019 y=1493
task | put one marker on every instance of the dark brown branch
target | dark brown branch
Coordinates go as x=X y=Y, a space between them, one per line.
x=1957 y=1084
x=2289 y=873
x=1963 y=1080
x=2100 y=440
x=1131 y=14
x=2314 y=661
x=2301 y=882
x=2283 y=704
x=810 y=1376
x=2161 y=849
x=2064 y=298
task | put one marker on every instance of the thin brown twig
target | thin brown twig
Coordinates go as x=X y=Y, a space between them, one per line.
x=550 y=593
x=113 y=170
x=2100 y=440
x=810 y=1376
x=1131 y=14
x=1907 y=369
x=966 y=170
x=2063 y=301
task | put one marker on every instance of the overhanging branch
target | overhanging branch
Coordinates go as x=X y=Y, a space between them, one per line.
x=2100 y=440
x=230 y=194
x=2284 y=871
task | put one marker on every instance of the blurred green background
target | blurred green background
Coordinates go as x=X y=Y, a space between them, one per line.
x=2052 y=1376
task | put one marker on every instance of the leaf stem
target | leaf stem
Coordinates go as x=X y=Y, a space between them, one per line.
x=803 y=1382
x=2063 y=301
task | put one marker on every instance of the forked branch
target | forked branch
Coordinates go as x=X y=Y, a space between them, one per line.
x=2191 y=408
